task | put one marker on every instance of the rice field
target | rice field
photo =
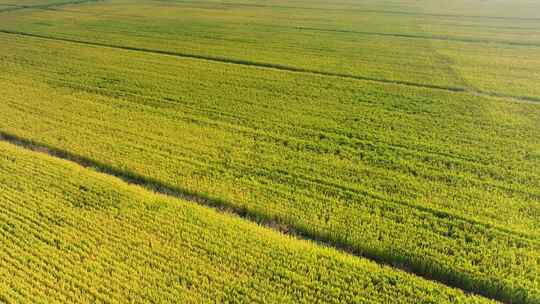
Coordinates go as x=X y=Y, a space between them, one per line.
x=79 y=236
x=408 y=41
x=352 y=151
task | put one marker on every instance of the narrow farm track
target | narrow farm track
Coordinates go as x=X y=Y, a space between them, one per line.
x=285 y=68
x=32 y=227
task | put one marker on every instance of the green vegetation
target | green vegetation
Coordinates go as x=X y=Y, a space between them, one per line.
x=402 y=41
x=78 y=236
x=399 y=130
x=356 y=163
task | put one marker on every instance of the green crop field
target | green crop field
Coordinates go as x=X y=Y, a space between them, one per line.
x=270 y=151
x=79 y=236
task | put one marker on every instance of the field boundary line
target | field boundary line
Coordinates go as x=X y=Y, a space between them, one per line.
x=267 y=65
x=279 y=67
x=438 y=274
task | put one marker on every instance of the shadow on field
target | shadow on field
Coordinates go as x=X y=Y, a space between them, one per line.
x=409 y=264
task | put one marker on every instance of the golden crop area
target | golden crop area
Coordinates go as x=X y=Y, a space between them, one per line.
x=269 y=151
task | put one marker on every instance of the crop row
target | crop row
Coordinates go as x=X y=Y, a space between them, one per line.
x=71 y=235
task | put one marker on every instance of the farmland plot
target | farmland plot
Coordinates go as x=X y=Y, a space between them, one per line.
x=444 y=183
x=402 y=42
x=78 y=236
x=397 y=131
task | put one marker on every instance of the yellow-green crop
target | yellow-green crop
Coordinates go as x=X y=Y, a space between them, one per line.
x=70 y=235
x=444 y=183
x=404 y=131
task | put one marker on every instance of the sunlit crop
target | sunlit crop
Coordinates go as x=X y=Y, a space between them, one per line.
x=411 y=149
